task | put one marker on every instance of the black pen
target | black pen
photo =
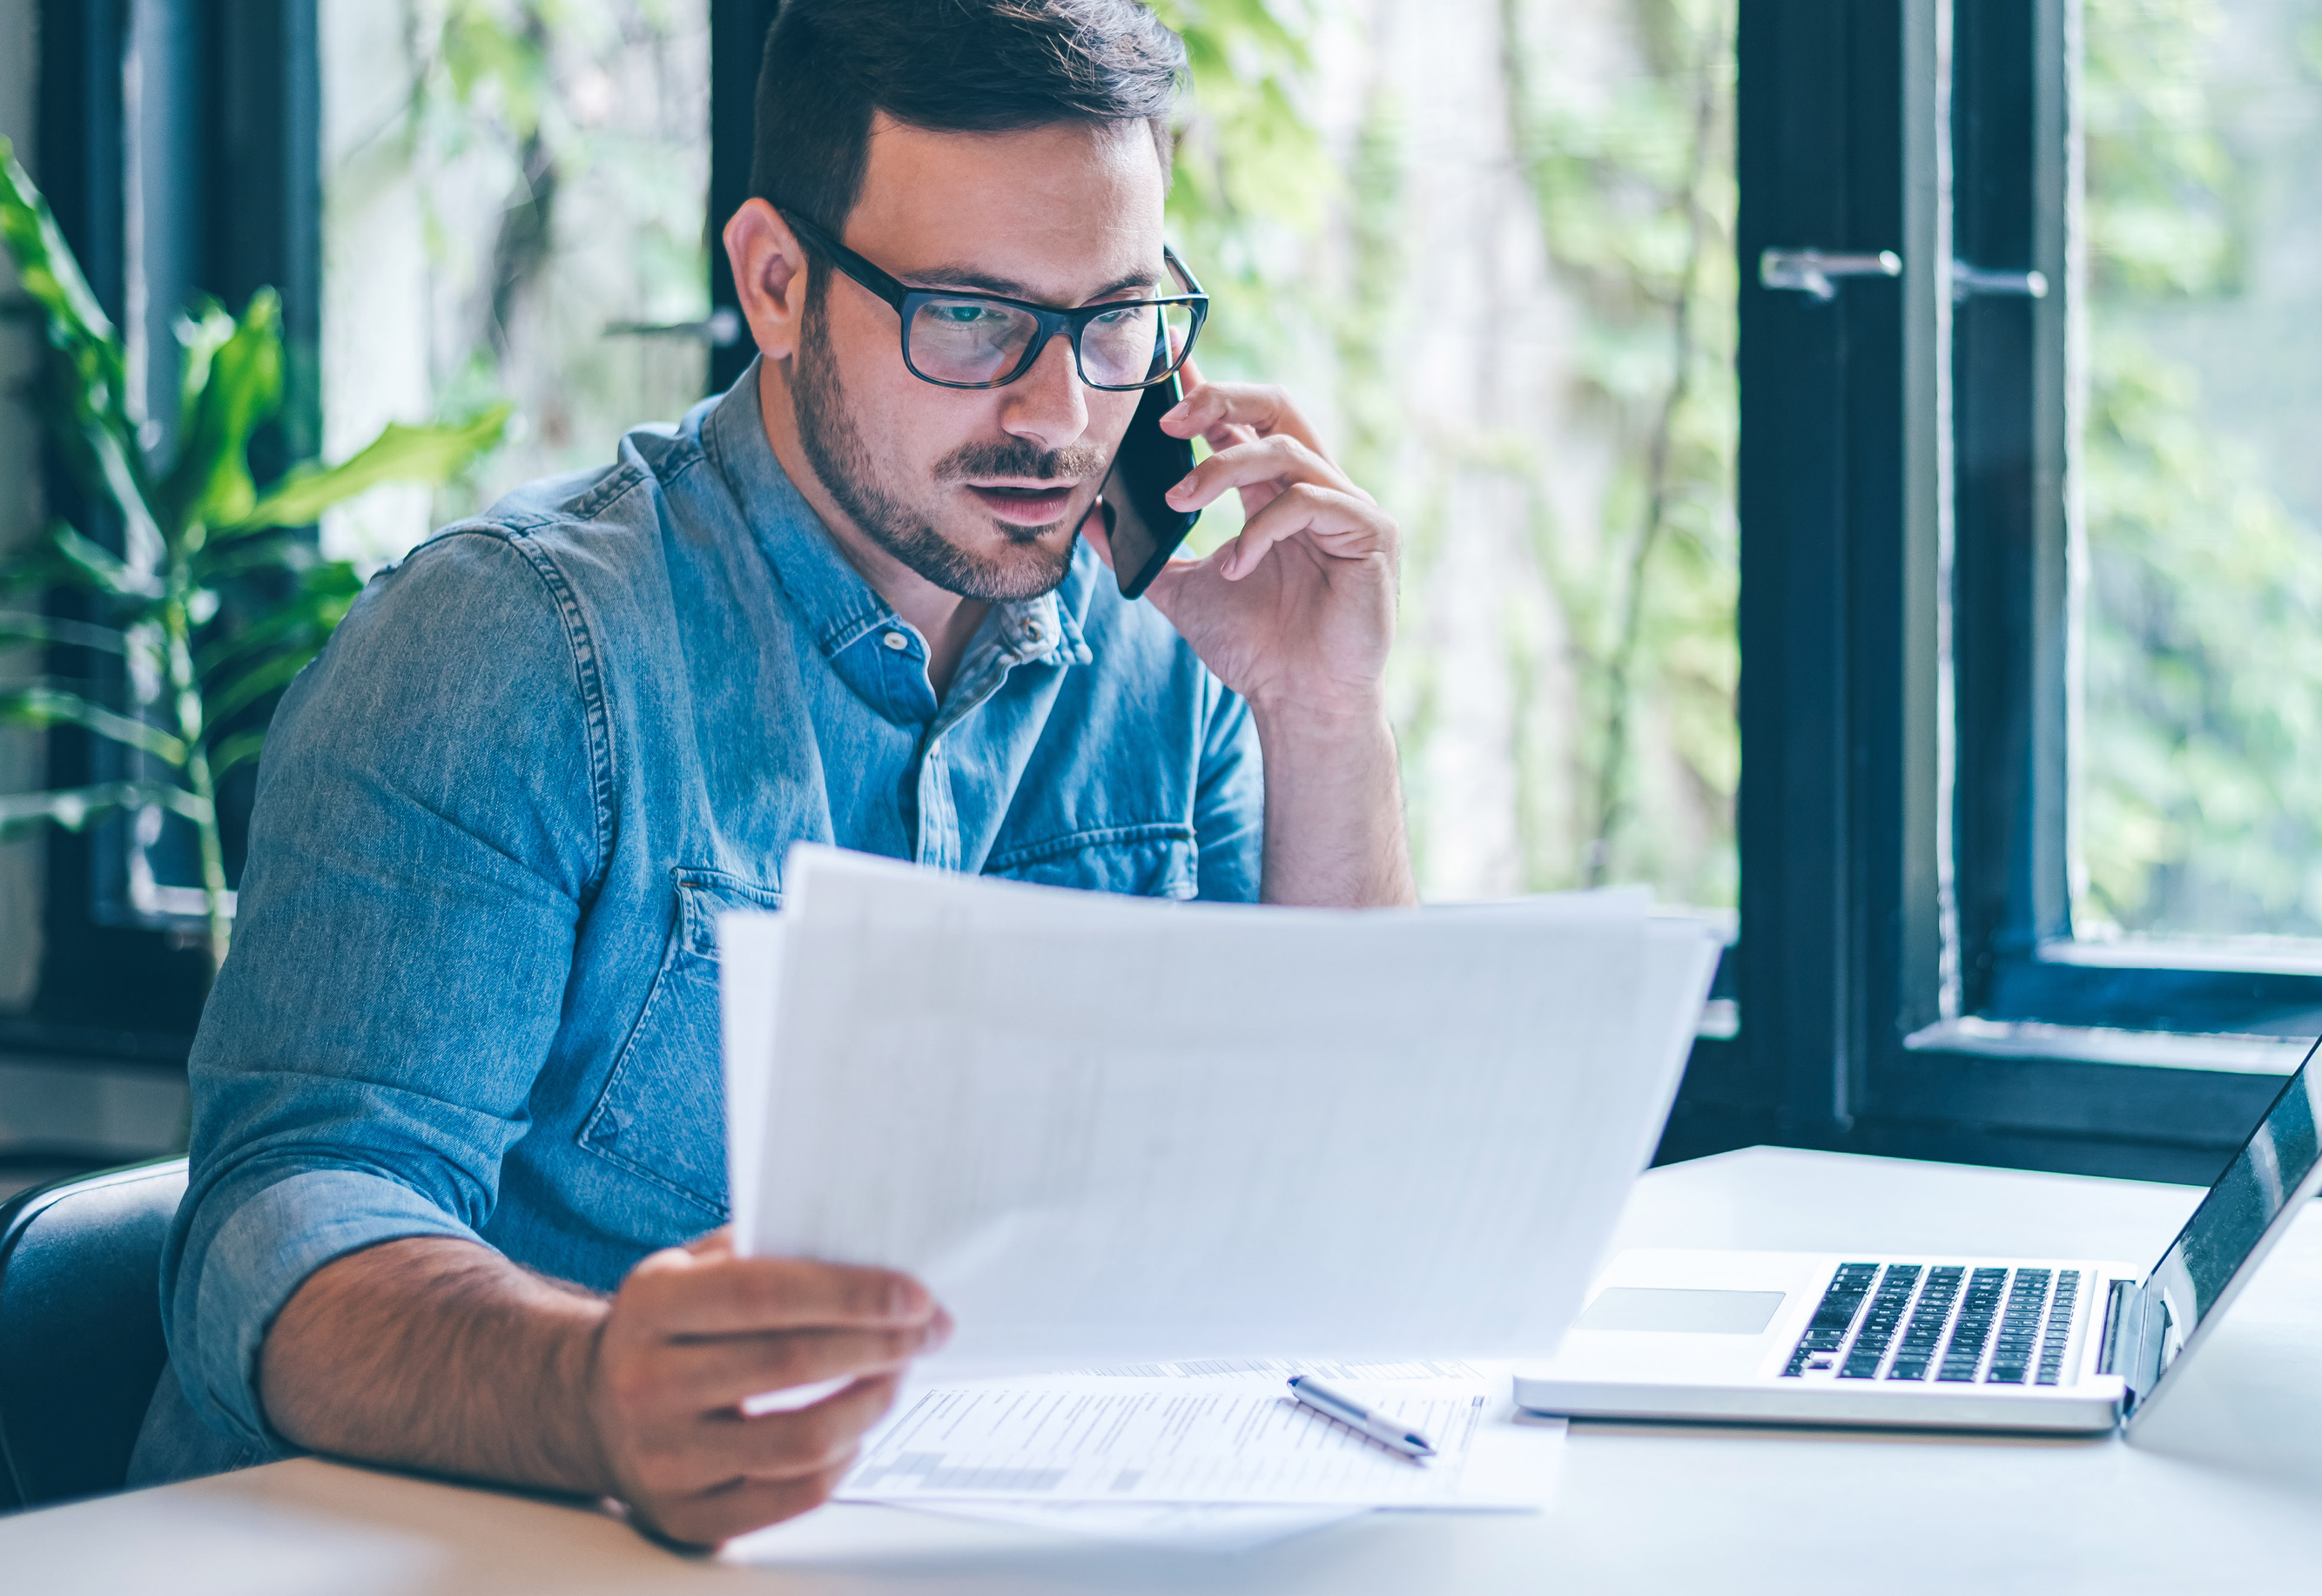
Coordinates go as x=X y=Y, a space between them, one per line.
x=1380 y=1428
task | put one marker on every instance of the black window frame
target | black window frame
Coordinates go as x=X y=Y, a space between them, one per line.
x=1906 y=979
x=231 y=91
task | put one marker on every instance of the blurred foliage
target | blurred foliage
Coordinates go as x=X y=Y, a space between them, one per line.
x=2199 y=801
x=1636 y=198
x=551 y=149
x=1250 y=181
x=190 y=599
x=1307 y=247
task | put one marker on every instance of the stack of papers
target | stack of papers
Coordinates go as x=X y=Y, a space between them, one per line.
x=1217 y=1144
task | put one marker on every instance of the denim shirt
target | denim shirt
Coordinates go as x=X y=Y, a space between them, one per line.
x=473 y=989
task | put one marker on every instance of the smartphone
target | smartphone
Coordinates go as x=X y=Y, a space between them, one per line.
x=1144 y=528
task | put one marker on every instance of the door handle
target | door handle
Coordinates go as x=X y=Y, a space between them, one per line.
x=721 y=329
x=1969 y=280
x=1811 y=272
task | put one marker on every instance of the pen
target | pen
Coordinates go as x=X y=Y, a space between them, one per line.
x=1380 y=1428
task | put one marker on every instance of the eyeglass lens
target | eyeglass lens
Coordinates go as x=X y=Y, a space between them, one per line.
x=974 y=342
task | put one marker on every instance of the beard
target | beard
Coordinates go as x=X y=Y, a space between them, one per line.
x=834 y=446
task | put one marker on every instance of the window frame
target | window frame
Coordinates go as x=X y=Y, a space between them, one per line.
x=238 y=176
x=1904 y=978
x=2015 y=407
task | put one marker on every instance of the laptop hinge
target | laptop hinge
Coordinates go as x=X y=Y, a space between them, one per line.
x=2116 y=1320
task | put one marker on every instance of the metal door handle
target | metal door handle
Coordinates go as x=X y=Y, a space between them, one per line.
x=1809 y=271
x=721 y=330
x=1967 y=280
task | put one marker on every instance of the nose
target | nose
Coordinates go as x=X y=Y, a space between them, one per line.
x=1047 y=406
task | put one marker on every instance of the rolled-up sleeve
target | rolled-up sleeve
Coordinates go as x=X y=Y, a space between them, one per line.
x=432 y=811
x=1230 y=802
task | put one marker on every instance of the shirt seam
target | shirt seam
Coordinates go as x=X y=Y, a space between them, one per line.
x=596 y=714
x=1093 y=837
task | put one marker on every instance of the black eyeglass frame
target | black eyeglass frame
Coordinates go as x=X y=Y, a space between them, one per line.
x=906 y=300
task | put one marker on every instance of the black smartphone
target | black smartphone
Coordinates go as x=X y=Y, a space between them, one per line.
x=1144 y=528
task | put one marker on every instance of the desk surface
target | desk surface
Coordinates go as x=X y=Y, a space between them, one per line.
x=2221 y=1488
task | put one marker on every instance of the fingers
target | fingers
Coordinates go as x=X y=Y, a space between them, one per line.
x=722 y=1446
x=685 y=1293
x=721 y=1474
x=740 y=1505
x=1279 y=461
x=1338 y=524
x=700 y=1376
x=1227 y=413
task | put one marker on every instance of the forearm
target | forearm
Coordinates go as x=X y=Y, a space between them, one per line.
x=1334 y=830
x=440 y=1354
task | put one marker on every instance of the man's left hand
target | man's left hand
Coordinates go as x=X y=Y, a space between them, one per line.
x=1297 y=613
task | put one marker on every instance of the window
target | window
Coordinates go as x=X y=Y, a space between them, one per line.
x=515 y=196
x=2022 y=575
x=2197 y=791
x=1491 y=249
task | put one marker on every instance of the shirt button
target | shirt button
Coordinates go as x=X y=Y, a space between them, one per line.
x=897 y=641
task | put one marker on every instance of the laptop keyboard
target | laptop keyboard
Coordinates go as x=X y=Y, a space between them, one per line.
x=1961 y=1326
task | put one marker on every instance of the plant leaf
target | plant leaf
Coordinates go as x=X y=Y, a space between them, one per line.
x=46 y=706
x=429 y=454
x=237 y=749
x=201 y=332
x=47 y=270
x=74 y=807
x=79 y=330
x=309 y=612
x=95 y=566
x=71 y=634
x=218 y=702
x=210 y=484
x=274 y=549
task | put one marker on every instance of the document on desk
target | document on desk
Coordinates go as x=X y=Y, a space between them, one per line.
x=1109 y=1440
x=1107 y=1130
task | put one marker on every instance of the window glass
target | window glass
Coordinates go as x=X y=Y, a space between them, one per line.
x=1499 y=267
x=505 y=180
x=2198 y=796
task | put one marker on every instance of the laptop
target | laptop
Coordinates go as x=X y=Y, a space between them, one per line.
x=2052 y=1345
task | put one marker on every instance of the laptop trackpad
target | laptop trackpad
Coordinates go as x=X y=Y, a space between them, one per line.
x=1701 y=1312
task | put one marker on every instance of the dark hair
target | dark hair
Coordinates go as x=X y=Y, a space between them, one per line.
x=948 y=65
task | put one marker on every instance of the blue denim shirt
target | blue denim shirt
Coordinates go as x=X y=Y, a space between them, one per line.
x=473 y=985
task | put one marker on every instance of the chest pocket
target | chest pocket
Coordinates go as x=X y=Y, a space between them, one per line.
x=1148 y=861
x=661 y=1115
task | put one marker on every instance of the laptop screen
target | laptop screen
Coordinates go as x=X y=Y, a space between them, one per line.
x=2250 y=1202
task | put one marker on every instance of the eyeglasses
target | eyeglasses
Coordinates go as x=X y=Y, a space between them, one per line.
x=967 y=340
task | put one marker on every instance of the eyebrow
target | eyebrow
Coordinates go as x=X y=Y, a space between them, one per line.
x=939 y=277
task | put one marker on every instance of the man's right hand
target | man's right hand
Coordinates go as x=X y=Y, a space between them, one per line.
x=695 y=1330
x=439 y=1353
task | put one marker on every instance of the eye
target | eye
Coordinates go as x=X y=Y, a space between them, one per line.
x=964 y=316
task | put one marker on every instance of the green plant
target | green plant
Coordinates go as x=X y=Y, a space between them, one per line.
x=214 y=600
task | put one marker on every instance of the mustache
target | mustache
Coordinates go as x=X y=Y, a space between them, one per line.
x=1013 y=457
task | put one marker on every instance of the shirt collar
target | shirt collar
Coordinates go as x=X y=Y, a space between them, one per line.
x=839 y=608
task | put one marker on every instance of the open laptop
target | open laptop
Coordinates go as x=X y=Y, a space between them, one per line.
x=1965 y=1343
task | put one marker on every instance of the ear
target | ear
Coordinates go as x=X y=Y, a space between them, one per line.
x=770 y=275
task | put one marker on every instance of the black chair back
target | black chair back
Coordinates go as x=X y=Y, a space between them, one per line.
x=80 y=1327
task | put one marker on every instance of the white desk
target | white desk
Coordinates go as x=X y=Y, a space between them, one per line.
x=2222 y=1489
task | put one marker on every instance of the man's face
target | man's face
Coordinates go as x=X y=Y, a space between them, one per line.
x=979 y=491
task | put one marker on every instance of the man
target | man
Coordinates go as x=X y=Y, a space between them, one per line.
x=457 y=1131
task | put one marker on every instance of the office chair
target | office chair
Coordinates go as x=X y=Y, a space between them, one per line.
x=80 y=1328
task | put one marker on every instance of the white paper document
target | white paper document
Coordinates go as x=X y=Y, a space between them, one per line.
x=1132 y=1442
x=1183 y=1526
x=1107 y=1130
